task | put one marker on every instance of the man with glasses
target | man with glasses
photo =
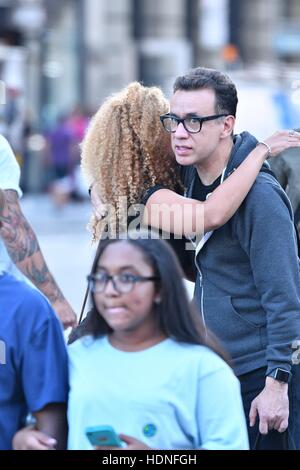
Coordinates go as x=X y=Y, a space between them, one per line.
x=248 y=282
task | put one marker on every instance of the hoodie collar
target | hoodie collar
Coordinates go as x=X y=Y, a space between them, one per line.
x=244 y=143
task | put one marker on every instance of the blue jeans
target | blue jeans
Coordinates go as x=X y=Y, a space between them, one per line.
x=252 y=384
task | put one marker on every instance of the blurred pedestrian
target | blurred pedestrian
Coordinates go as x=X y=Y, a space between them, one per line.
x=77 y=122
x=69 y=188
x=20 y=253
x=60 y=142
x=287 y=170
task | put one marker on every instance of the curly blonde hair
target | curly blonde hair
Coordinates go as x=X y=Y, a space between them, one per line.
x=126 y=151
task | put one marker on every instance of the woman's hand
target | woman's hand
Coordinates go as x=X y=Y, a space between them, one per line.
x=30 y=439
x=282 y=140
x=132 y=444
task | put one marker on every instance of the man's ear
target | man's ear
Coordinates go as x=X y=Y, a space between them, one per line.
x=228 y=126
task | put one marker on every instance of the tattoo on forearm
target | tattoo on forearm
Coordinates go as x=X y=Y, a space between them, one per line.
x=23 y=248
x=17 y=234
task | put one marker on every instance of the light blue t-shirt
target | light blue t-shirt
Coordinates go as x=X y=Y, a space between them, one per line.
x=9 y=179
x=170 y=396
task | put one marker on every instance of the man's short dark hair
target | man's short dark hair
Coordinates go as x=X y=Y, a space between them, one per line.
x=203 y=78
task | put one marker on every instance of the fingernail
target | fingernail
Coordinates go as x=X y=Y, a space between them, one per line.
x=51 y=442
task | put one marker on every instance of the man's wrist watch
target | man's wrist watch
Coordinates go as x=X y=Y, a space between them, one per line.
x=281 y=375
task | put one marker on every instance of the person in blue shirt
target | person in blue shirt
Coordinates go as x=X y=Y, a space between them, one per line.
x=33 y=366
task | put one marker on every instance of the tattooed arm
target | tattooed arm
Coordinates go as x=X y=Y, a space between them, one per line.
x=24 y=250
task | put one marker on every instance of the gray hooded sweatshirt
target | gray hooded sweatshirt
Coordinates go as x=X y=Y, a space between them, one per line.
x=248 y=281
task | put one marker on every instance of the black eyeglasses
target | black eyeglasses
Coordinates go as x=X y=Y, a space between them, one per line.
x=123 y=283
x=192 y=124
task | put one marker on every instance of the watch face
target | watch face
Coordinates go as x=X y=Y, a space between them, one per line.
x=282 y=375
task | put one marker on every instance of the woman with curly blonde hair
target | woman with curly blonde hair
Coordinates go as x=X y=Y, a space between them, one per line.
x=126 y=151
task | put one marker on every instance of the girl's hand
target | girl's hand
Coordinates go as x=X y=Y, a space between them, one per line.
x=132 y=444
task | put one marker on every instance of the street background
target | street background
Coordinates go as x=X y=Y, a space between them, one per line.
x=65 y=242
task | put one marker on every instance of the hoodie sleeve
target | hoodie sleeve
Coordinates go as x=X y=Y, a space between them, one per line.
x=265 y=229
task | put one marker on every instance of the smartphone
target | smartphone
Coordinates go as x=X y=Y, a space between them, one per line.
x=103 y=436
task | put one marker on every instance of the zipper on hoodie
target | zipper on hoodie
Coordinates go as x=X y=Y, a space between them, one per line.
x=187 y=193
x=199 y=269
x=200 y=278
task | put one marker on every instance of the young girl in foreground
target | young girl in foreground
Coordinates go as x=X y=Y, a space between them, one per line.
x=141 y=362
